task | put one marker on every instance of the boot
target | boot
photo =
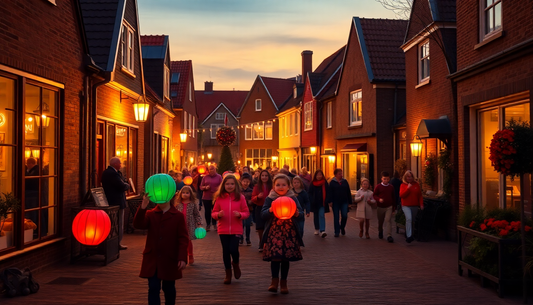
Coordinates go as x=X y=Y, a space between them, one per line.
x=274 y=285
x=260 y=233
x=236 y=271
x=283 y=287
x=227 y=279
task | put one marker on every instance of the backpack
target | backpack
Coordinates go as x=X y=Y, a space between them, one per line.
x=17 y=282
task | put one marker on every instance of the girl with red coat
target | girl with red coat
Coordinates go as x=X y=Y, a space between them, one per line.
x=411 y=195
x=165 y=252
x=230 y=210
x=259 y=194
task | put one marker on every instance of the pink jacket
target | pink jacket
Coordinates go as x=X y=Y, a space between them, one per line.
x=229 y=223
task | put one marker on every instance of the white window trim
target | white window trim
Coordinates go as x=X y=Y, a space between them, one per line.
x=352 y=121
x=420 y=59
x=213 y=130
x=190 y=124
x=329 y=115
x=268 y=125
x=483 y=21
x=166 y=83
x=184 y=129
x=126 y=43
x=308 y=114
x=248 y=130
x=260 y=105
x=193 y=127
x=261 y=125
x=219 y=116
x=297 y=123
x=190 y=91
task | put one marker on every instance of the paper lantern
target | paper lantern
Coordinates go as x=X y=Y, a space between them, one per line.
x=160 y=188
x=187 y=180
x=91 y=227
x=284 y=207
x=200 y=233
x=202 y=169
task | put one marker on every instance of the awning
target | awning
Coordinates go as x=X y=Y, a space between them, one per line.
x=354 y=147
x=439 y=128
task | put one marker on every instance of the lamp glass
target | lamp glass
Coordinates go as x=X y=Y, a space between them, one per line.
x=141 y=111
x=209 y=156
x=313 y=149
x=183 y=137
x=416 y=149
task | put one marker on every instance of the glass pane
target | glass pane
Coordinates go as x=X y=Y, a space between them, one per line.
x=7 y=117
x=497 y=16
x=48 y=226
x=48 y=192
x=8 y=228
x=6 y=169
x=49 y=102
x=256 y=153
x=121 y=149
x=489 y=179
x=164 y=155
x=110 y=147
x=31 y=222
x=49 y=163
x=517 y=113
x=31 y=130
x=7 y=93
x=133 y=156
x=33 y=102
x=269 y=153
x=49 y=132
x=350 y=169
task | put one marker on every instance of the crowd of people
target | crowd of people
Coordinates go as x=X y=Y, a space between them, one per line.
x=234 y=203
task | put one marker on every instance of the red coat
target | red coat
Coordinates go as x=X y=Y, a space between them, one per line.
x=229 y=224
x=260 y=201
x=166 y=242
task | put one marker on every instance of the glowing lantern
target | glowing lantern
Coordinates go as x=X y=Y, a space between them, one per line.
x=187 y=180
x=202 y=169
x=284 y=207
x=91 y=227
x=237 y=176
x=160 y=188
x=141 y=108
x=200 y=233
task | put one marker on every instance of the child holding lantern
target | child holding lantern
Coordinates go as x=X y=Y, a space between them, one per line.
x=282 y=238
x=165 y=252
x=229 y=211
x=185 y=201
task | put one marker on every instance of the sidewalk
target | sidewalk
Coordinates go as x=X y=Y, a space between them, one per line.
x=334 y=271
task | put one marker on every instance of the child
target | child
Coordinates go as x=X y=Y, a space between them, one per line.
x=298 y=187
x=165 y=252
x=364 y=198
x=282 y=239
x=261 y=190
x=230 y=209
x=185 y=201
x=246 y=179
x=385 y=198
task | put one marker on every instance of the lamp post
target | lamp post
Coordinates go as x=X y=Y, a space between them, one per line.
x=416 y=149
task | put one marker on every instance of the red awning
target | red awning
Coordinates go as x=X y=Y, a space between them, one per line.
x=354 y=147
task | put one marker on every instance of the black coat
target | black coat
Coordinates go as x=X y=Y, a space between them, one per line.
x=316 y=197
x=114 y=187
x=340 y=192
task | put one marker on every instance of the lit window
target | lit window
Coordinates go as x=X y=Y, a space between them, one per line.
x=308 y=115
x=127 y=44
x=328 y=115
x=356 y=112
x=268 y=130
x=491 y=17
x=190 y=91
x=258 y=105
x=259 y=131
x=248 y=132
x=423 y=64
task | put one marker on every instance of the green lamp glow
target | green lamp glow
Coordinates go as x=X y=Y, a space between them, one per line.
x=160 y=188
x=200 y=233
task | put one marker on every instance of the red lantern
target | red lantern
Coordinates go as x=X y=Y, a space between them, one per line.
x=202 y=169
x=91 y=227
x=284 y=207
x=187 y=180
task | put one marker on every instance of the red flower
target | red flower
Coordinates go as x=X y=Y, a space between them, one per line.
x=483 y=227
x=472 y=223
x=503 y=233
x=527 y=228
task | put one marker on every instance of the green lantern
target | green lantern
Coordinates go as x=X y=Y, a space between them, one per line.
x=200 y=233
x=160 y=188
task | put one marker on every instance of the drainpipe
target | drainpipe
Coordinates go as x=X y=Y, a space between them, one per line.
x=394 y=122
x=93 y=126
x=319 y=135
x=84 y=103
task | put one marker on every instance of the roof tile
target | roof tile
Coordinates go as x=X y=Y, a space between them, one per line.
x=184 y=68
x=208 y=101
x=280 y=89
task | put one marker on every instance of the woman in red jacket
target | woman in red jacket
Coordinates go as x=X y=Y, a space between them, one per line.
x=411 y=196
x=165 y=252
x=230 y=210
x=259 y=194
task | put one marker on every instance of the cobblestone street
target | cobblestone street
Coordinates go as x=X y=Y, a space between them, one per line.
x=334 y=271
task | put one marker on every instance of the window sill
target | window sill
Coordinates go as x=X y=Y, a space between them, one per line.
x=423 y=83
x=128 y=72
x=329 y=127
x=355 y=126
x=308 y=129
x=31 y=248
x=489 y=39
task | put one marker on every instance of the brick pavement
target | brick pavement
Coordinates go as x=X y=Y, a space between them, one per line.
x=334 y=271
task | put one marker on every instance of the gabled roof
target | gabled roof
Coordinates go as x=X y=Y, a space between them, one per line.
x=294 y=101
x=102 y=20
x=279 y=90
x=428 y=12
x=443 y=10
x=154 y=46
x=323 y=74
x=380 y=41
x=208 y=102
x=178 y=91
x=152 y=95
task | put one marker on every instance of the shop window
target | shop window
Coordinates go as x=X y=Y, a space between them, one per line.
x=121 y=142
x=355 y=167
x=258 y=158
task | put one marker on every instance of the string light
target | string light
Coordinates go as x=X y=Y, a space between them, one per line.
x=248 y=125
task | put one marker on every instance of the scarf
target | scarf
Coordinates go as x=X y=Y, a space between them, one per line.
x=323 y=184
x=273 y=195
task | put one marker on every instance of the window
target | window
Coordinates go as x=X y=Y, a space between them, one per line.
x=423 y=64
x=355 y=167
x=189 y=128
x=248 y=132
x=258 y=105
x=259 y=131
x=193 y=127
x=258 y=158
x=162 y=153
x=127 y=45
x=166 y=83
x=356 y=111
x=122 y=143
x=308 y=116
x=297 y=119
x=491 y=17
x=219 y=116
x=281 y=125
x=286 y=125
x=214 y=128
x=190 y=91
x=328 y=115
x=269 y=130
x=184 y=129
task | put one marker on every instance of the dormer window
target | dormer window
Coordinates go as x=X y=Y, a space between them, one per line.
x=258 y=105
x=127 y=47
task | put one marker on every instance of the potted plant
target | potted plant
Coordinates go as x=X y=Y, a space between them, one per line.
x=8 y=204
x=429 y=171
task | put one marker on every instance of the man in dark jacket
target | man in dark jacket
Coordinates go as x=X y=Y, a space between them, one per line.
x=341 y=197
x=115 y=186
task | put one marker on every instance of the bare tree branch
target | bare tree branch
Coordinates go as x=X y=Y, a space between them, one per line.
x=401 y=8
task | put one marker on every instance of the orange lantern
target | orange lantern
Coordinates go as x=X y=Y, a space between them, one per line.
x=202 y=169
x=91 y=227
x=187 y=180
x=284 y=207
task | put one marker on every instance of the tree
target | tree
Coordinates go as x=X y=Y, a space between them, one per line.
x=226 y=161
x=401 y=8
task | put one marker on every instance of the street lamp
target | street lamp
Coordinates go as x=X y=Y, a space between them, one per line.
x=141 y=107
x=209 y=155
x=313 y=149
x=191 y=159
x=183 y=137
x=416 y=149
x=331 y=159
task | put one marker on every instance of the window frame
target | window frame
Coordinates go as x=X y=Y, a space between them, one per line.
x=184 y=128
x=248 y=130
x=483 y=34
x=166 y=83
x=128 y=48
x=329 y=124
x=213 y=130
x=359 y=106
x=190 y=91
x=219 y=116
x=259 y=125
x=260 y=104
x=193 y=130
x=308 y=116
x=269 y=125
x=422 y=59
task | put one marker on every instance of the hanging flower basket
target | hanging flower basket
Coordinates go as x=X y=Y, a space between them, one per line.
x=226 y=136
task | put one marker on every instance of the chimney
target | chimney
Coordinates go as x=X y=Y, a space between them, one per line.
x=307 y=63
x=208 y=87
